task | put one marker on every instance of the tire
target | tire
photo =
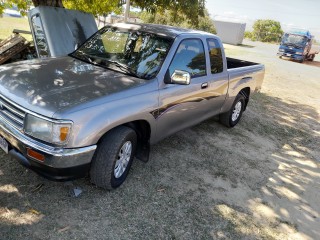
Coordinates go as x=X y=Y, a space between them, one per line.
x=311 y=58
x=113 y=158
x=232 y=117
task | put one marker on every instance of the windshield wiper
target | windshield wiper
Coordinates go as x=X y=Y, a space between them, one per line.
x=293 y=45
x=84 y=57
x=123 y=67
x=95 y=60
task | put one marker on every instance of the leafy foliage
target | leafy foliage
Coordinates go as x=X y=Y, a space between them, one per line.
x=98 y=7
x=94 y=6
x=172 y=18
x=23 y=5
x=265 y=31
x=248 y=34
x=191 y=8
x=2 y=6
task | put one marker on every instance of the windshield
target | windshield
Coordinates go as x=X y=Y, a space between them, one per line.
x=133 y=52
x=296 y=40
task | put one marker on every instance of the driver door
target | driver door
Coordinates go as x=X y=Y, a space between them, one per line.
x=182 y=106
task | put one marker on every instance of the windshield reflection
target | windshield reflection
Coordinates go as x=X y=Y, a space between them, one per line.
x=135 y=53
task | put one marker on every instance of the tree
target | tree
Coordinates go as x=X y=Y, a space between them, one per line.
x=23 y=6
x=191 y=8
x=266 y=30
x=170 y=17
x=52 y=3
x=96 y=7
x=2 y=6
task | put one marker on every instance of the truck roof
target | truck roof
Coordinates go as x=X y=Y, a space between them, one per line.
x=301 y=32
x=162 y=30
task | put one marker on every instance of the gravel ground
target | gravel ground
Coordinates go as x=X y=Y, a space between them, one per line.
x=259 y=180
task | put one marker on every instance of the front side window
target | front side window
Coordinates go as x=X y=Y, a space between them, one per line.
x=215 y=53
x=133 y=52
x=189 y=57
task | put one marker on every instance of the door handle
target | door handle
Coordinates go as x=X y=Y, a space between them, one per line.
x=204 y=85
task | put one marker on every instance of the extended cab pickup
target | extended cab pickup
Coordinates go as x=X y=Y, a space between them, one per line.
x=125 y=88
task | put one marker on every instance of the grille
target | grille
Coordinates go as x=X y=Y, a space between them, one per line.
x=13 y=115
x=290 y=51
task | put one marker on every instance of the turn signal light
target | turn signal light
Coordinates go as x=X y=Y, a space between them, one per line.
x=64 y=131
x=35 y=155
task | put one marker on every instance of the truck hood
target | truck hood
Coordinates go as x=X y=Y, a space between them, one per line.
x=54 y=84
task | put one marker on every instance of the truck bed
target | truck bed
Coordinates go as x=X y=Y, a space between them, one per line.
x=315 y=49
x=236 y=63
x=241 y=71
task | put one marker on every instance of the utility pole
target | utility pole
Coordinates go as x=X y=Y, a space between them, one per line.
x=127 y=12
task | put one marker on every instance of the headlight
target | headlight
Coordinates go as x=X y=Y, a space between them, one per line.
x=299 y=53
x=56 y=132
x=281 y=50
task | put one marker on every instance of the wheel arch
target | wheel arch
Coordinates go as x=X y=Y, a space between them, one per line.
x=143 y=131
x=246 y=93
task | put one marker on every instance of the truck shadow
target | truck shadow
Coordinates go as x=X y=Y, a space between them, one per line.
x=257 y=180
x=313 y=63
x=246 y=46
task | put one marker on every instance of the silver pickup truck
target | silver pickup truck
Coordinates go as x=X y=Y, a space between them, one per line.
x=125 y=88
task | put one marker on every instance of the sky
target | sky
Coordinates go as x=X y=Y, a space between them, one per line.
x=303 y=14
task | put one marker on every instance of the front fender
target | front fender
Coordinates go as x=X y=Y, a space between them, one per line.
x=91 y=124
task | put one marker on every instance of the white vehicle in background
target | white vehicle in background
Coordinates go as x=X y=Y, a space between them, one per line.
x=12 y=12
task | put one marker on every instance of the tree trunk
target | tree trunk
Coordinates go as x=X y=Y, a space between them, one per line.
x=51 y=3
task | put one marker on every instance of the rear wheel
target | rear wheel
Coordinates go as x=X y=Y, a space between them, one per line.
x=113 y=158
x=232 y=117
x=311 y=57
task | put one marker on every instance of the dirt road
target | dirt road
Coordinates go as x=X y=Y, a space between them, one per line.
x=259 y=180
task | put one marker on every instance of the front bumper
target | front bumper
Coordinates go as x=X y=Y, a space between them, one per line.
x=59 y=163
x=290 y=55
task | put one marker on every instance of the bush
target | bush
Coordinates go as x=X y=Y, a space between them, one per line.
x=248 y=34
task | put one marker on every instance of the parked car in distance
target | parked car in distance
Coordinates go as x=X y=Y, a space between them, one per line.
x=126 y=88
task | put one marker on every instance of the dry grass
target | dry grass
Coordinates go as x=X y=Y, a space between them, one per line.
x=7 y=24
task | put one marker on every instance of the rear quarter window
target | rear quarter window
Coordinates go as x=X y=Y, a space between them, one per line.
x=215 y=54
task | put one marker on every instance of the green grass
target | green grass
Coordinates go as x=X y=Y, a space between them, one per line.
x=7 y=24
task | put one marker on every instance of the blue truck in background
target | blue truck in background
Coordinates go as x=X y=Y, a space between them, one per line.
x=298 y=45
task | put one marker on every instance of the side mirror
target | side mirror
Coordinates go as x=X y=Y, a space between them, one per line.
x=180 y=77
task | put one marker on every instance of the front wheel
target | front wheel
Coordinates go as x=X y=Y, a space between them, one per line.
x=113 y=158
x=232 y=117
